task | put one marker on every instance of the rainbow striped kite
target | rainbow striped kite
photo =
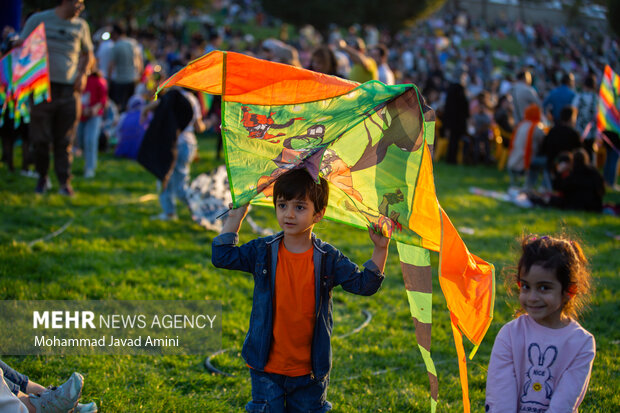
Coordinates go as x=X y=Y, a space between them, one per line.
x=608 y=117
x=24 y=72
x=372 y=143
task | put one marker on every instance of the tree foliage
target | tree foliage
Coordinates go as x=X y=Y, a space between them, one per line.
x=100 y=12
x=613 y=15
x=391 y=14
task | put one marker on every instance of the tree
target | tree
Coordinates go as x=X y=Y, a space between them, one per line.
x=100 y=12
x=613 y=15
x=391 y=14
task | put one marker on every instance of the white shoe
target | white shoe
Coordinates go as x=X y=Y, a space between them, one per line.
x=28 y=173
x=59 y=399
x=164 y=217
x=86 y=408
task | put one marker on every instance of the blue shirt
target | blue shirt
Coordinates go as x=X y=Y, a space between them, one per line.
x=557 y=99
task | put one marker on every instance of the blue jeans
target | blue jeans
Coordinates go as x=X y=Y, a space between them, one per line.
x=16 y=381
x=275 y=393
x=88 y=135
x=538 y=166
x=178 y=182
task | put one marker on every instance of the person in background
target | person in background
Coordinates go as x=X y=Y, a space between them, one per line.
x=610 y=168
x=323 y=60
x=380 y=54
x=481 y=150
x=277 y=51
x=70 y=57
x=504 y=119
x=104 y=55
x=19 y=394
x=583 y=188
x=523 y=95
x=214 y=41
x=586 y=104
x=130 y=130
x=94 y=99
x=125 y=67
x=456 y=113
x=562 y=137
x=524 y=146
x=186 y=147
x=560 y=97
x=363 y=67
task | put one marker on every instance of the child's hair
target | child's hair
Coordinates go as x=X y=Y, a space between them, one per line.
x=566 y=258
x=298 y=183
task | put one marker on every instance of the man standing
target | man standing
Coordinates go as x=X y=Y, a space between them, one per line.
x=70 y=57
x=456 y=112
x=523 y=95
x=125 y=67
x=560 y=97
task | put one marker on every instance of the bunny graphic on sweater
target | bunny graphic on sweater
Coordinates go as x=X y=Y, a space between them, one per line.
x=539 y=385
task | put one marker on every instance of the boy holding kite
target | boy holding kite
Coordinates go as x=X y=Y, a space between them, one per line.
x=288 y=345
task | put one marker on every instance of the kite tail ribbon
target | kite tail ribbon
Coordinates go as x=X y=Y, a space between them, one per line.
x=468 y=283
x=460 y=353
x=416 y=266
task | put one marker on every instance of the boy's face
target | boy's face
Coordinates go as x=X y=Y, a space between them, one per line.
x=297 y=216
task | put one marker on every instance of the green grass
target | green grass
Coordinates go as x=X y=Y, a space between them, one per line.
x=509 y=44
x=112 y=250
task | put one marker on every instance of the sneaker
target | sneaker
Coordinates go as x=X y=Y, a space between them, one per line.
x=86 y=408
x=28 y=173
x=89 y=174
x=164 y=217
x=66 y=190
x=43 y=185
x=63 y=398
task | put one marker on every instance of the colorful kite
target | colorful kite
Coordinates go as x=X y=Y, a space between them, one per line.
x=608 y=117
x=24 y=72
x=372 y=143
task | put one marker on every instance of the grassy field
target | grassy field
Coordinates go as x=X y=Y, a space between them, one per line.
x=111 y=250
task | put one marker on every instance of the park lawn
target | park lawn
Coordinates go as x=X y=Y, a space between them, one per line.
x=112 y=250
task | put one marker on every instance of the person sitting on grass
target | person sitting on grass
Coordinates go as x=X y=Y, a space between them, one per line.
x=583 y=188
x=288 y=345
x=20 y=394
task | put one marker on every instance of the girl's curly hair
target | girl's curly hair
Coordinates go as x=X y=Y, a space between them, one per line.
x=566 y=258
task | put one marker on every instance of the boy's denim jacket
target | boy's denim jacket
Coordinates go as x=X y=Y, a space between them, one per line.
x=331 y=268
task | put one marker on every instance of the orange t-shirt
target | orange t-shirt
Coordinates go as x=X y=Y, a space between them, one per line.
x=293 y=314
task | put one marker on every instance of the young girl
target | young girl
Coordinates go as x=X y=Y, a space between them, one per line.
x=541 y=362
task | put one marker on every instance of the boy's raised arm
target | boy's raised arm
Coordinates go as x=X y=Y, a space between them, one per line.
x=235 y=218
x=380 y=253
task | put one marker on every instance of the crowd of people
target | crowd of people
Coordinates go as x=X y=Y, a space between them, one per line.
x=481 y=94
x=521 y=112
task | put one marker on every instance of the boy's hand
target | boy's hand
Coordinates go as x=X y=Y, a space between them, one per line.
x=238 y=213
x=379 y=254
x=235 y=218
x=377 y=237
